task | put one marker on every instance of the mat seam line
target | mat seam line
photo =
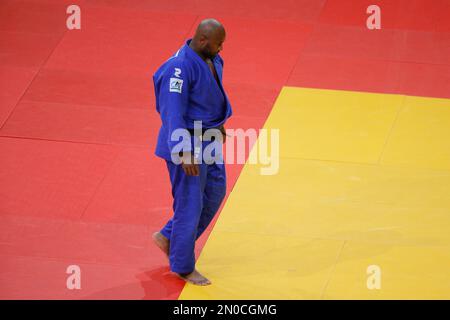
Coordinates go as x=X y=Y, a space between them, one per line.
x=332 y=270
x=308 y=38
x=99 y=184
x=389 y=135
x=32 y=81
x=70 y=260
x=75 y=142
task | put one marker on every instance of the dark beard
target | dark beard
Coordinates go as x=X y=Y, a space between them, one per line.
x=207 y=53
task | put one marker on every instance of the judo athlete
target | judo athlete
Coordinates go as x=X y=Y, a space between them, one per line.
x=188 y=89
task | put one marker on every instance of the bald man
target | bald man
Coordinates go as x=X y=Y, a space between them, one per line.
x=188 y=88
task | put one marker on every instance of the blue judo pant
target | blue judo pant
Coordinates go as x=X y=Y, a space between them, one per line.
x=196 y=200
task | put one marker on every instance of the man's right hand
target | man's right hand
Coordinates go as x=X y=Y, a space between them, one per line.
x=189 y=166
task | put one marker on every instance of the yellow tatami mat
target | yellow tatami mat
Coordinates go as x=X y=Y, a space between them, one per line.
x=363 y=180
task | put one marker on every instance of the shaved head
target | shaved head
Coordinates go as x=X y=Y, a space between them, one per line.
x=210 y=28
x=209 y=37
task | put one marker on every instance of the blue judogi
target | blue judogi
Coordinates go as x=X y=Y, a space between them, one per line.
x=187 y=91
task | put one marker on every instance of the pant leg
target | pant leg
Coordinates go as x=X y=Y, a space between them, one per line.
x=167 y=230
x=215 y=190
x=187 y=194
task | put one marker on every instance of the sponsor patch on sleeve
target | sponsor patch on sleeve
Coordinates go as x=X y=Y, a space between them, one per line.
x=176 y=85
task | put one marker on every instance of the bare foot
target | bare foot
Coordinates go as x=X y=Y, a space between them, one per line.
x=195 y=278
x=162 y=242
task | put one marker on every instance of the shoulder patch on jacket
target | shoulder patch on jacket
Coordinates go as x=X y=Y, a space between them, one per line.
x=176 y=85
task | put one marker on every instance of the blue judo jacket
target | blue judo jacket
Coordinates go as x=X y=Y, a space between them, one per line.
x=186 y=91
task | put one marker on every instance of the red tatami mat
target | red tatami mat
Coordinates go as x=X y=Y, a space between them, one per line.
x=42 y=17
x=70 y=122
x=14 y=82
x=118 y=41
x=298 y=10
x=91 y=89
x=79 y=184
x=50 y=179
x=422 y=15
